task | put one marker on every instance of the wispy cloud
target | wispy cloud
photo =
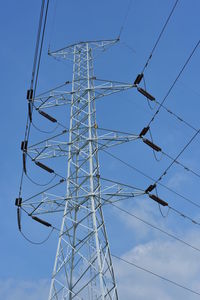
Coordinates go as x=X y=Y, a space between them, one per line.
x=158 y=253
x=169 y=259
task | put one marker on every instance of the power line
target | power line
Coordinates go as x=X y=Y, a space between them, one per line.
x=180 y=164
x=35 y=72
x=186 y=168
x=37 y=43
x=151 y=178
x=40 y=184
x=30 y=101
x=126 y=45
x=34 y=242
x=27 y=238
x=180 y=119
x=160 y=35
x=187 y=124
x=153 y=226
x=182 y=215
x=27 y=128
x=166 y=204
x=174 y=82
x=132 y=215
x=126 y=261
x=125 y=18
x=41 y=47
x=175 y=159
x=106 y=201
x=44 y=131
x=157 y=275
x=163 y=152
x=37 y=59
x=170 y=207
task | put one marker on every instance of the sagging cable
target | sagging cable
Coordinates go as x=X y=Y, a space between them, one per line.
x=144 y=131
x=40 y=184
x=45 y=223
x=44 y=131
x=37 y=243
x=146 y=94
x=152 y=145
x=150 y=188
x=158 y=200
x=47 y=116
x=138 y=78
x=44 y=167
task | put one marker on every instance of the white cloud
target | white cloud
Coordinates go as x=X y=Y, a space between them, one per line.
x=158 y=253
x=169 y=259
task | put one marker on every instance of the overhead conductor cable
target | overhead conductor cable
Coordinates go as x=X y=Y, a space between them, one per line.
x=151 y=178
x=179 y=154
x=31 y=92
x=175 y=81
x=157 y=275
x=160 y=35
x=140 y=76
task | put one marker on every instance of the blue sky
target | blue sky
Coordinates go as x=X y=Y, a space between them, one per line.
x=26 y=269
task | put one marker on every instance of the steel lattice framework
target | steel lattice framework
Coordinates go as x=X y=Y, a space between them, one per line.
x=83 y=267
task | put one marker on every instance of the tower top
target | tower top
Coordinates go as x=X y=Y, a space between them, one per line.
x=69 y=51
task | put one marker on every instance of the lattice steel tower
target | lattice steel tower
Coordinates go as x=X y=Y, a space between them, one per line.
x=83 y=267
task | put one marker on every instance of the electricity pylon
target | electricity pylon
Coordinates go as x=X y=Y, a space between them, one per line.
x=83 y=266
